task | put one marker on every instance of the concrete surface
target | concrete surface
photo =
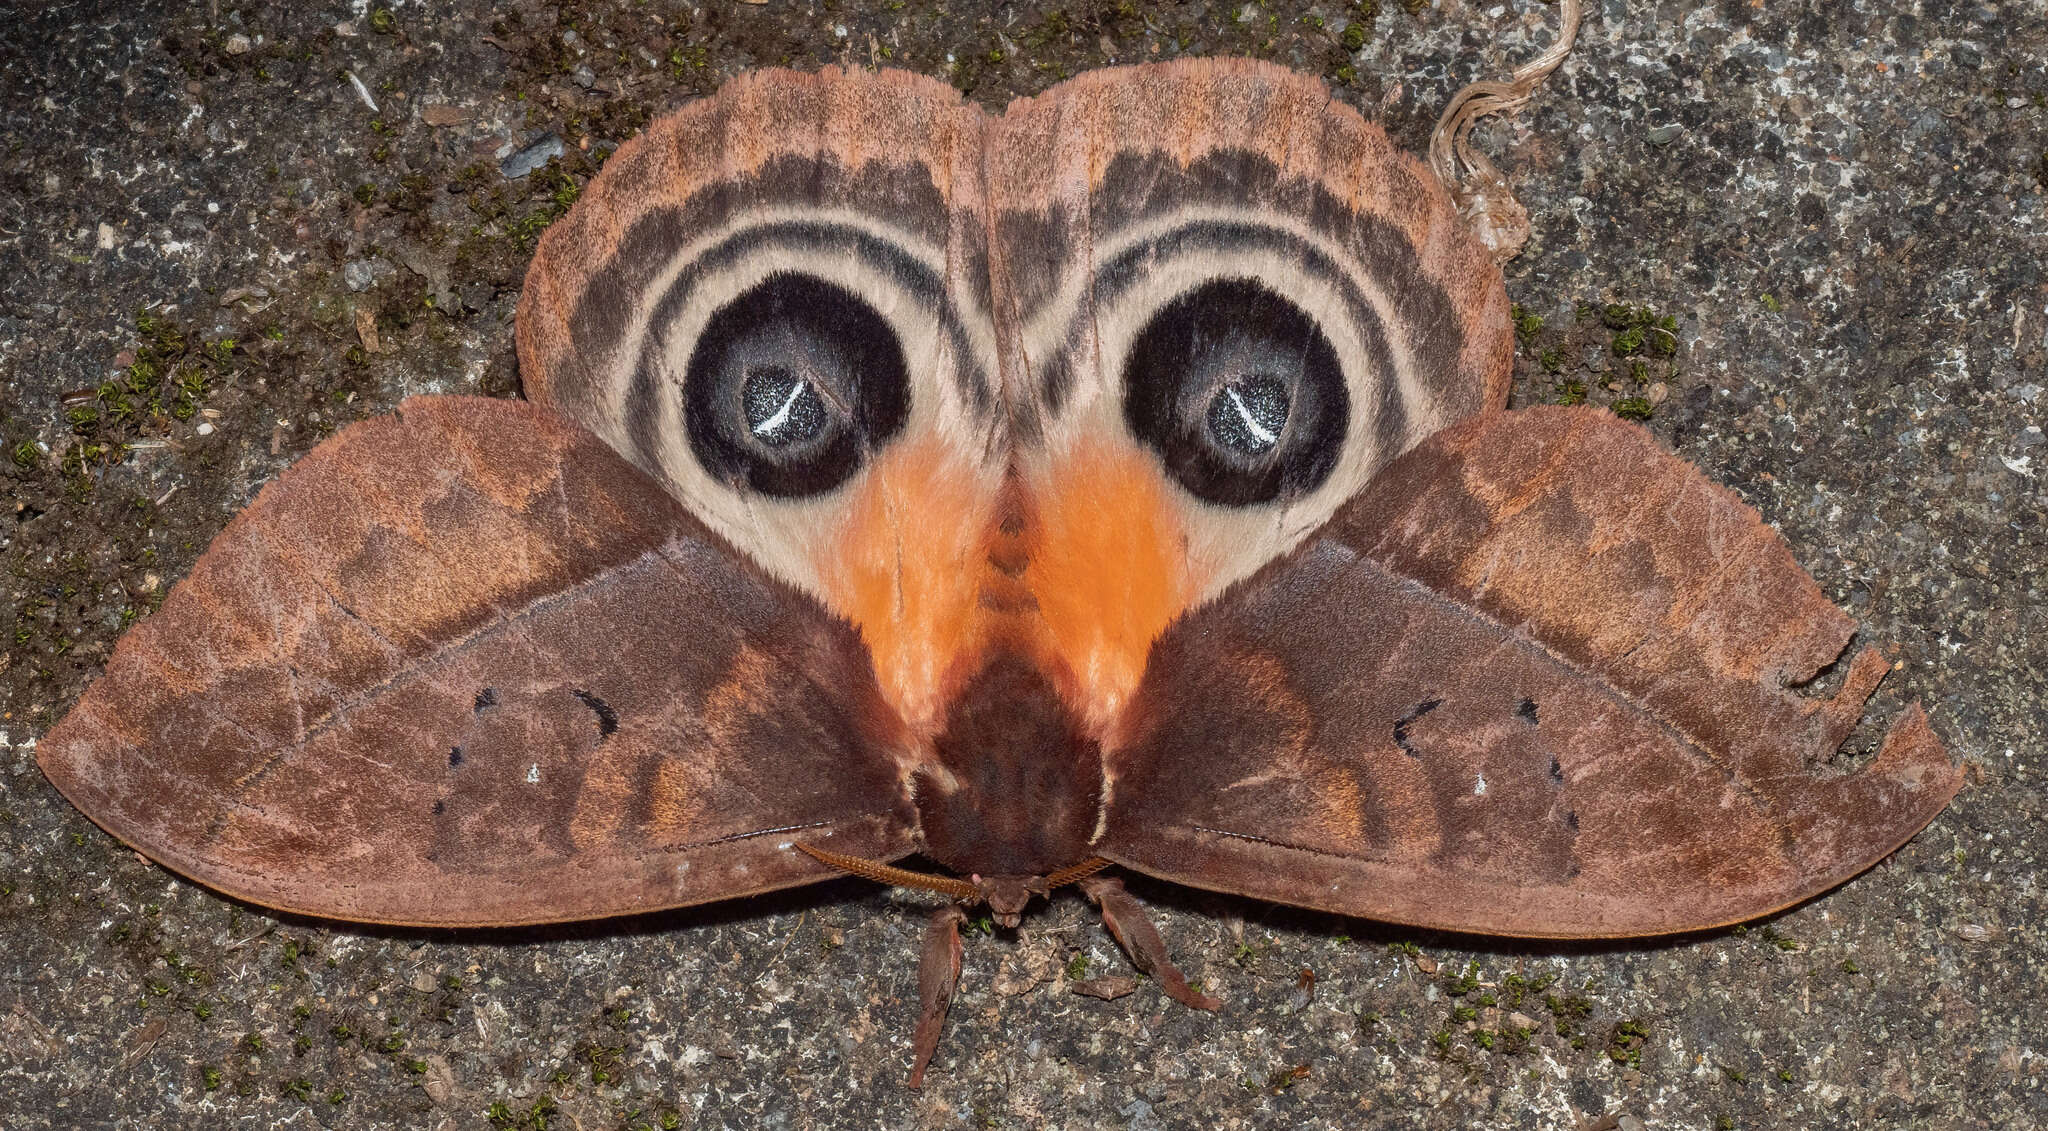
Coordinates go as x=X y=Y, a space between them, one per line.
x=1840 y=202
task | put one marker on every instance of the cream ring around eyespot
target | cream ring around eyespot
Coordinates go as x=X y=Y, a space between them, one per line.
x=786 y=535
x=1224 y=543
x=615 y=372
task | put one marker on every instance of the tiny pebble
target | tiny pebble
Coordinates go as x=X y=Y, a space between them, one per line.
x=439 y=1079
x=204 y=429
x=358 y=274
x=535 y=154
x=1108 y=988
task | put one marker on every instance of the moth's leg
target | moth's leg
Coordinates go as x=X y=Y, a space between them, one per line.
x=1134 y=931
x=938 y=971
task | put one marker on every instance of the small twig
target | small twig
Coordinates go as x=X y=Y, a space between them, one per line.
x=362 y=92
x=776 y=958
x=145 y=1041
x=252 y=938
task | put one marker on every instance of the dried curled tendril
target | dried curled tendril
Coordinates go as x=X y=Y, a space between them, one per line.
x=1481 y=192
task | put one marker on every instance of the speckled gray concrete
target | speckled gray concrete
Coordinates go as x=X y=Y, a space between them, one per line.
x=1840 y=202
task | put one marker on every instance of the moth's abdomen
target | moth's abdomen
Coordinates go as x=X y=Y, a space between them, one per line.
x=1015 y=783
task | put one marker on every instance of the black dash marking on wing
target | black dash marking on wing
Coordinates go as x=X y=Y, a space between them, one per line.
x=607 y=719
x=731 y=837
x=1402 y=724
x=488 y=697
x=454 y=757
x=1527 y=710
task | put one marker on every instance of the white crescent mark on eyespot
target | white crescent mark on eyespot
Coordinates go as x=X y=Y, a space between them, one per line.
x=1262 y=434
x=774 y=423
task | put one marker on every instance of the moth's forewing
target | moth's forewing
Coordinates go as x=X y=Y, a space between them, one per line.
x=1173 y=235
x=1538 y=679
x=826 y=228
x=867 y=179
x=463 y=665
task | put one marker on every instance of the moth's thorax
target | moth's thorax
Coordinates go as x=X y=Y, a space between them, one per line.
x=1013 y=786
x=1072 y=568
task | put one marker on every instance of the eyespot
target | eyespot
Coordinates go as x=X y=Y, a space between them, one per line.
x=792 y=384
x=1238 y=392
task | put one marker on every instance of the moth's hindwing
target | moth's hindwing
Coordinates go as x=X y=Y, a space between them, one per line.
x=463 y=665
x=1539 y=679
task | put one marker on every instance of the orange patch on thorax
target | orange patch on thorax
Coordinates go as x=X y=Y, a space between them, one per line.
x=1079 y=571
x=1109 y=567
x=905 y=570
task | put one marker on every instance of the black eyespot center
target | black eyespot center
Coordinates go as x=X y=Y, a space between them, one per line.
x=791 y=385
x=1239 y=392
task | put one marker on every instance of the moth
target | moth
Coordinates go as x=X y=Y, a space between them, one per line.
x=1123 y=479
